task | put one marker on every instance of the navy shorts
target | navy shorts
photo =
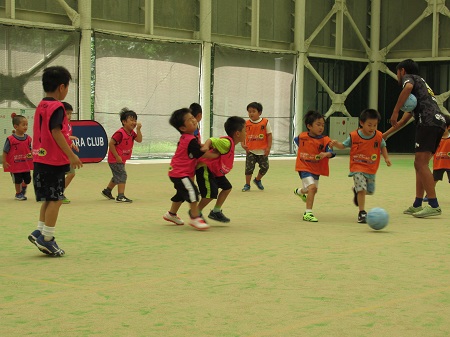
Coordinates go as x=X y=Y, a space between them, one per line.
x=439 y=174
x=209 y=185
x=49 y=182
x=18 y=178
x=186 y=190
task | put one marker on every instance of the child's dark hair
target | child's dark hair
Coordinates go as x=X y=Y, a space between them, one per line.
x=255 y=105
x=17 y=119
x=125 y=113
x=177 y=118
x=53 y=77
x=410 y=67
x=195 y=109
x=234 y=124
x=369 y=114
x=67 y=106
x=311 y=116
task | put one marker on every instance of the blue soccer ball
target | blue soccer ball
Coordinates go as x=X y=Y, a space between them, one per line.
x=377 y=218
x=410 y=103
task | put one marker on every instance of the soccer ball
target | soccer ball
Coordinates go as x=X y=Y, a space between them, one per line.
x=410 y=103
x=377 y=218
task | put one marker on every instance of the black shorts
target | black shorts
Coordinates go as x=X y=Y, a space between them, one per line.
x=49 y=182
x=186 y=190
x=209 y=184
x=439 y=174
x=428 y=138
x=22 y=177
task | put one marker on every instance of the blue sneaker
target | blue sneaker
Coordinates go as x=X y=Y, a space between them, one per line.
x=258 y=184
x=49 y=247
x=246 y=188
x=20 y=197
x=34 y=235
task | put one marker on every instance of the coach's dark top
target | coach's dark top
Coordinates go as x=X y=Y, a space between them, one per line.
x=427 y=112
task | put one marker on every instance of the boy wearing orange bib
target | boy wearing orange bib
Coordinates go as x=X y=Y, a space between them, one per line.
x=313 y=154
x=366 y=144
x=441 y=160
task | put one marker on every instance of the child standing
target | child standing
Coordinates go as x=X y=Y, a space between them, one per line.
x=365 y=145
x=257 y=145
x=211 y=173
x=17 y=157
x=52 y=157
x=120 y=149
x=441 y=160
x=71 y=174
x=197 y=112
x=312 y=160
x=182 y=169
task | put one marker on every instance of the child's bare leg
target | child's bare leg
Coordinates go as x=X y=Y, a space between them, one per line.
x=424 y=177
x=121 y=188
x=69 y=178
x=221 y=198
x=18 y=188
x=248 y=177
x=42 y=211
x=175 y=207
x=111 y=185
x=51 y=212
x=361 y=196
x=259 y=176
x=203 y=203
x=310 y=195
x=195 y=213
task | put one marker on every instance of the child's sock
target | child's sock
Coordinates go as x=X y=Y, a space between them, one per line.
x=173 y=214
x=40 y=225
x=217 y=209
x=308 y=210
x=48 y=233
x=120 y=195
x=433 y=202
x=418 y=202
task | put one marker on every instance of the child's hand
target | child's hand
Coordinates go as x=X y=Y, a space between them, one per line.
x=75 y=162
x=75 y=147
x=321 y=155
x=6 y=164
x=388 y=162
x=138 y=126
x=333 y=143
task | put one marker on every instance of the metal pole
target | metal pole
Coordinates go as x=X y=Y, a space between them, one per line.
x=255 y=23
x=300 y=47
x=149 y=18
x=375 y=56
x=11 y=9
x=205 y=67
x=84 y=79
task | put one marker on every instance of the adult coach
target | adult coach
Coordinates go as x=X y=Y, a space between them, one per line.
x=430 y=125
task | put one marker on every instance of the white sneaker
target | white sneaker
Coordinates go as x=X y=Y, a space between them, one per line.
x=199 y=223
x=173 y=218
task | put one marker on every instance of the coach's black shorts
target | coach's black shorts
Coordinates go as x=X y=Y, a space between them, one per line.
x=49 y=182
x=186 y=190
x=428 y=138
x=209 y=185
x=18 y=178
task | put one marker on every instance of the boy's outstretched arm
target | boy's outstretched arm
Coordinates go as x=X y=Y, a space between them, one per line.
x=400 y=101
x=336 y=144
x=385 y=154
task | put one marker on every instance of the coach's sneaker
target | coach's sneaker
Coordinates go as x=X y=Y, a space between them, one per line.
x=309 y=217
x=355 y=197
x=20 y=197
x=246 y=188
x=49 y=247
x=107 y=194
x=428 y=211
x=218 y=216
x=411 y=210
x=362 y=217
x=258 y=184
x=34 y=235
x=300 y=195
x=123 y=198
x=173 y=218
x=199 y=223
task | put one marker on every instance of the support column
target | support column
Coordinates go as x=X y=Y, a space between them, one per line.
x=375 y=50
x=299 y=43
x=255 y=23
x=84 y=76
x=149 y=21
x=435 y=35
x=340 y=27
x=205 y=78
x=11 y=9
